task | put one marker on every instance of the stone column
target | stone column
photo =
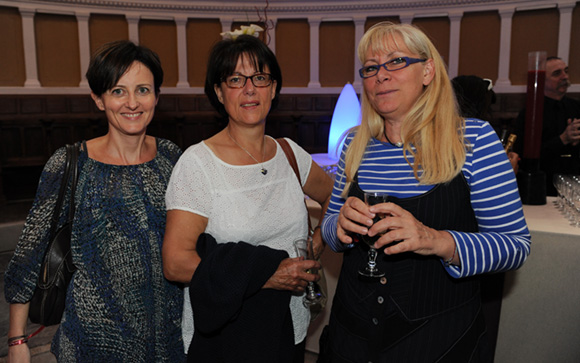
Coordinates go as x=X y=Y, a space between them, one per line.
x=503 y=77
x=359 y=30
x=406 y=18
x=133 y=22
x=226 y=24
x=565 y=31
x=314 y=52
x=181 y=23
x=84 y=45
x=454 y=38
x=29 y=41
x=271 y=35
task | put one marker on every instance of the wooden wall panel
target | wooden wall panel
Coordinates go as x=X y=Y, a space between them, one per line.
x=437 y=29
x=106 y=28
x=161 y=37
x=32 y=127
x=374 y=20
x=293 y=51
x=57 y=50
x=202 y=34
x=535 y=30
x=574 y=60
x=12 y=71
x=336 y=52
x=479 y=44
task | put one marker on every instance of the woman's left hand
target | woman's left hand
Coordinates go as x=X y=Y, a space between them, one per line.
x=291 y=275
x=411 y=235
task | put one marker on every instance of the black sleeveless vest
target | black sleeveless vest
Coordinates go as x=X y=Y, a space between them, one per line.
x=417 y=312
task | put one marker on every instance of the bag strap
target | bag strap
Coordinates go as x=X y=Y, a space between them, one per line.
x=74 y=151
x=292 y=160
x=70 y=167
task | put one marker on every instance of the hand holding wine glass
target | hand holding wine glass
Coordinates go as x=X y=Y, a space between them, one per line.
x=313 y=294
x=371 y=270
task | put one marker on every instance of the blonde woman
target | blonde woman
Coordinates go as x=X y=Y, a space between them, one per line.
x=453 y=212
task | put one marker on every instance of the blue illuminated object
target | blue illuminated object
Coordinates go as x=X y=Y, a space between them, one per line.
x=345 y=116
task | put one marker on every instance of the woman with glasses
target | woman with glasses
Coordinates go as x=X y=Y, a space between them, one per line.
x=235 y=207
x=452 y=212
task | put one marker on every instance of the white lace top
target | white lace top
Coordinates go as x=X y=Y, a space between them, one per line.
x=242 y=204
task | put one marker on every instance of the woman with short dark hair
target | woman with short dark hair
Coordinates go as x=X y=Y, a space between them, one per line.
x=119 y=307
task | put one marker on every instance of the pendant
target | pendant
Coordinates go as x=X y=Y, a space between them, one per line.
x=264 y=171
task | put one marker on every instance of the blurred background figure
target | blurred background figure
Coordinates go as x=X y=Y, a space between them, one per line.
x=560 y=149
x=475 y=96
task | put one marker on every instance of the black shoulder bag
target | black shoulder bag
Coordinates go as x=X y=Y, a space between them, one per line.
x=48 y=301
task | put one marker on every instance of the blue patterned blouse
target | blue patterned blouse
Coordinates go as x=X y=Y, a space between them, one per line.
x=119 y=307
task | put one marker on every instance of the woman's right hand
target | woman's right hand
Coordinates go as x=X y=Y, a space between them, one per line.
x=352 y=218
x=19 y=354
x=291 y=275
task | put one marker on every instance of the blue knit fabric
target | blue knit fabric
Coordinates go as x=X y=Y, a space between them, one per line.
x=120 y=308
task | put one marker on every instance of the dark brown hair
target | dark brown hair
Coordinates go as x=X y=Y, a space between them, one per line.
x=112 y=60
x=223 y=60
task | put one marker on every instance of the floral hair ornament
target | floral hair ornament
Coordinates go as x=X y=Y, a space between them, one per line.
x=253 y=30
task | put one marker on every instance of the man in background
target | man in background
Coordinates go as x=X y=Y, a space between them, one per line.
x=560 y=149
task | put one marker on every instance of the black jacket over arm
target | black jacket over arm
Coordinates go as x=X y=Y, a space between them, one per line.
x=235 y=319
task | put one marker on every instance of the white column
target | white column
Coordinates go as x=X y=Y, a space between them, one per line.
x=565 y=31
x=133 y=22
x=84 y=45
x=271 y=35
x=359 y=30
x=454 y=40
x=226 y=24
x=406 y=18
x=181 y=23
x=29 y=40
x=314 y=52
x=503 y=77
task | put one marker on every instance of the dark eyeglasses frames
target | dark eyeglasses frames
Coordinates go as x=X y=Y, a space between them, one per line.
x=391 y=65
x=239 y=81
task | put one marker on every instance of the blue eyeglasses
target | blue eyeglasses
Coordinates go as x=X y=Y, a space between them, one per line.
x=392 y=65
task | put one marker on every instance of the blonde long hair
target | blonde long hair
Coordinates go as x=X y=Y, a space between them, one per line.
x=433 y=125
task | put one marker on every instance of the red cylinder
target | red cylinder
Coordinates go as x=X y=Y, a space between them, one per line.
x=534 y=104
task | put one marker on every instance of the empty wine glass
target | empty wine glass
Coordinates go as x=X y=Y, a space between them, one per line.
x=371 y=270
x=558 y=181
x=313 y=294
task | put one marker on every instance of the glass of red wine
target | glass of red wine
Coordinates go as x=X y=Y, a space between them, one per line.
x=371 y=270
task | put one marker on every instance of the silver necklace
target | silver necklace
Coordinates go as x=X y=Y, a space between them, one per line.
x=263 y=170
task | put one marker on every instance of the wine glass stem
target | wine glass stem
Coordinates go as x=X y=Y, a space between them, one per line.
x=372 y=259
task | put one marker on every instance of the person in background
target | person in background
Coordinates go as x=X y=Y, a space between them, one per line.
x=475 y=96
x=453 y=212
x=560 y=148
x=235 y=207
x=119 y=307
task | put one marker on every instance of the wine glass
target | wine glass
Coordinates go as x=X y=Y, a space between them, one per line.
x=313 y=294
x=371 y=270
x=557 y=180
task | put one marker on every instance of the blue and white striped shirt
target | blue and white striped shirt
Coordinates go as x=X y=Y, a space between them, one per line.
x=503 y=241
